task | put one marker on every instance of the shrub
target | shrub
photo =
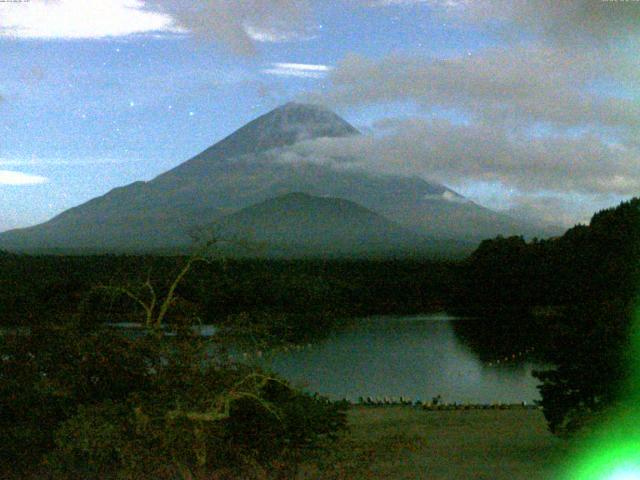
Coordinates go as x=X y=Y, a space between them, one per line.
x=82 y=401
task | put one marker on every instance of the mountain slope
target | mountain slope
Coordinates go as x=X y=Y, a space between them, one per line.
x=282 y=127
x=298 y=224
x=246 y=168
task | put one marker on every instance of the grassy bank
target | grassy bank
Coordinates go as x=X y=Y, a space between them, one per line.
x=408 y=443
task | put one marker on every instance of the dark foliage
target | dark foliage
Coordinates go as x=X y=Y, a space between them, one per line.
x=571 y=297
x=89 y=403
x=80 y=400
x=298 y=298
x=589 y=349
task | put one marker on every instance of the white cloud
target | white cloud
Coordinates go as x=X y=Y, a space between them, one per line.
x=304 y=66
x=452 y=153
x=302 y=70
x=556 y=209
x=266 y=35
x=9 y=177
x=239 y=24
x=447 y=196
x=519 y=85
x=560 y=21
x=80 y=19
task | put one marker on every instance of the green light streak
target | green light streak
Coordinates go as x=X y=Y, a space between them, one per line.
x=613 y=451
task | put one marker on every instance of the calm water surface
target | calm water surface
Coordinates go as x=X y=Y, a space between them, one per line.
x=417 y=356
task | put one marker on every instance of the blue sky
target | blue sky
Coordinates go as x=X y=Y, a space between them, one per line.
x=96 y=94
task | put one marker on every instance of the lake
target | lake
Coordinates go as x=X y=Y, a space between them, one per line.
x=414 y=356
x=418 y=357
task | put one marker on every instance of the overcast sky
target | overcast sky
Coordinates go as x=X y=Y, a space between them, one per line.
x=532 y=107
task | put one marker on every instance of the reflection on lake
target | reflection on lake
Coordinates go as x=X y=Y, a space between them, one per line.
x=418 y=357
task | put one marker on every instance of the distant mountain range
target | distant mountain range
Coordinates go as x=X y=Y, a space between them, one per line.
x=355 y=211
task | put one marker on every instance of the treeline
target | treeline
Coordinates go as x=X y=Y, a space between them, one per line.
x=84 y=401
x=573 y=296
x=594 y=262
x=35 y=287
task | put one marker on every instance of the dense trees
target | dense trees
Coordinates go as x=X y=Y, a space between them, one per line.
x=588 y=263
x=589 y=348
x=80 y=400
x=592 y=347
x=572 y=296
x=88 y=403
x=304 y=295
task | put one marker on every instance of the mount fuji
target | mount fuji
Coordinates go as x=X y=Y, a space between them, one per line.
x=243 y=171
